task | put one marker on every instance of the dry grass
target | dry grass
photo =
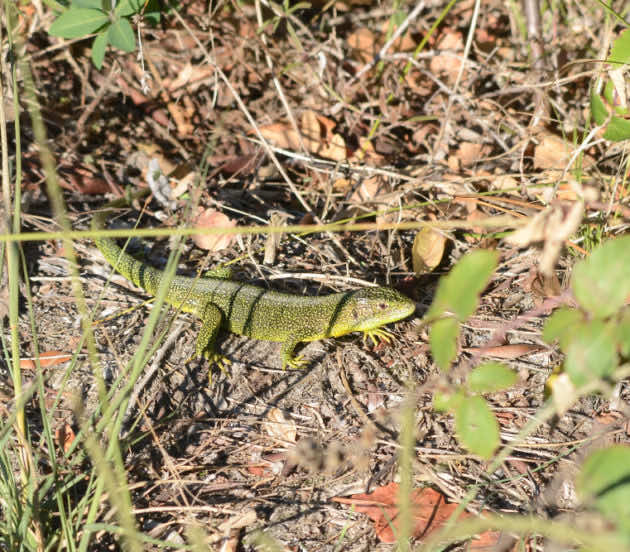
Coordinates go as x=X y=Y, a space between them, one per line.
x=460 y=132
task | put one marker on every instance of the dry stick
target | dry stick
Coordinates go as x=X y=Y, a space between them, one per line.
x=541 y=107
x=379 y=56
x=268 y=149
x=294 y=124
x=97 y=99
x=532 y=16
x=244 y=109
x=469 y=38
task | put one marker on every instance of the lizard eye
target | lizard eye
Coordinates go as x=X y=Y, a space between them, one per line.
x=382 y=306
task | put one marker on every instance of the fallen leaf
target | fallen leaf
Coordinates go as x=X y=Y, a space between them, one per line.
x=469 y=153
x=555 y=152
x=448 y=63
x=367 y=154
x=362 y=42
x=65 y=436
x=428 y=250
x=506 y=352
x=46 y=360
x=83 y=181
x=315 y=135
x=505 y=183
x=280 y=427
x=430 y=512
x=367 y=191
x=210 y=218
x=552 y=226
x=281 y=135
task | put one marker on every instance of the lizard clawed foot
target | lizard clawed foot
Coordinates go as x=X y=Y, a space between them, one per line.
x=295 y=363
x=377 y=335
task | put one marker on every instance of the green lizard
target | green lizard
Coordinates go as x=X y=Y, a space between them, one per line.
x=257 y=312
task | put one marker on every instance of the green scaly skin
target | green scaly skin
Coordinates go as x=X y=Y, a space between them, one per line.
x=256 y=312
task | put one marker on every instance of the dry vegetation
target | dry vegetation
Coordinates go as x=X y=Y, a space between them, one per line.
x=312 y=116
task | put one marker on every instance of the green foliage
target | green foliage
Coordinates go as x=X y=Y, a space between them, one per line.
x=591 y=353
x=605 y=481
x=491 y=377
x=112 y=26
x=458 y=292
x=475 y=424
x=606 y=107
x=455 y=300
x=593 y=336
x=561 y=324
x=443 y=338
x=601 y=283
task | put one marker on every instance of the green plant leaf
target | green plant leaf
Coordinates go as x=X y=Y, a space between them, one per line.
x=490 y=377
x=443 y=340
x=78 y=22
x=447 y=401
x=591 y=353
x=121 y=35
x=561 y=325
x=476 y=426
x=623 y=334
x=618 y=128
x=125 y=8
x=620 y=51
x=92 y=4
x=458 y=292
x=98 y=49
x=601 y=283
x=605 y=479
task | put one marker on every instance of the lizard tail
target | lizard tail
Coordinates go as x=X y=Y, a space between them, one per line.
x=139 y=273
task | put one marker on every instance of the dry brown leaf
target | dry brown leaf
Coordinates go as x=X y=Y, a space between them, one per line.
x=554 y=152
x=552 y=226
x=363 y=44
x=428 y=250
x=334 y=149
x=319 y=138
x=209 y=218
x=448 y=64
x=191 y=76
x=281 y=135
x=507 y=352
x=366 y=153
x=430 y=512
x=315 y=135
x=469 y=153
x=83 y=180
x=46 y=360
x=403 y=43
x=505 y=182
x=280 y=427
x=367 y=191
x=65 y=436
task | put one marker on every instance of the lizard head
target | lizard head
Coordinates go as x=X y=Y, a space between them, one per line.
x=370 y=308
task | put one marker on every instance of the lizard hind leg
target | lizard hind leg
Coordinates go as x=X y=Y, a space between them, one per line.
x=288 y=359
x=211 y=321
